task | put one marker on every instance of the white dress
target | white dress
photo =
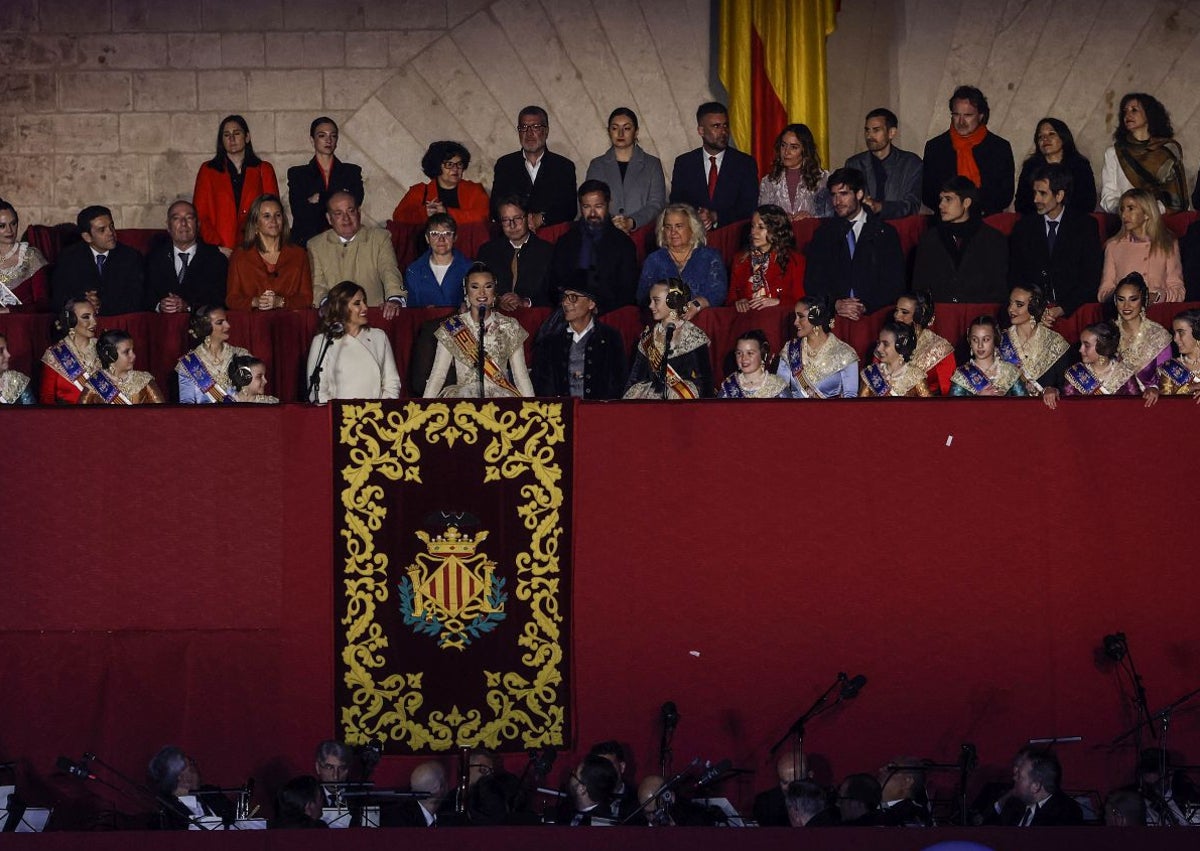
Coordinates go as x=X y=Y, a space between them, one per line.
x=458 y=343
x=356 y=367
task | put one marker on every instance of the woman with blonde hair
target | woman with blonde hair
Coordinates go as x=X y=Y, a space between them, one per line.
x=1145 y=245
x=685 y=256
x=269 y=272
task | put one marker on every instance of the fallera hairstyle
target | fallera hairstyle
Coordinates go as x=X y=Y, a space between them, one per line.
x=976 y=99
x=1160 y=236
x=66 y=318
x=4 y=205
x=478 y=268
x=593 y=185
x=688 y=210
x=625 y=111
x=986 y=320
x=889 y=117
x=241 y=370
x=200 y=325
x=820 y=312
x=851 y=178
x=106 y=346
x=317 y=122
x=781 y=237
x=1135 y=280
x=1057 y=175
x=810 y=163
x=89 y=214
x=164 y=770
x=1192 y=318
x=1158 y=122
x=712 y=107
x=678 y=293
x=439 y=152
x=337 y=307
x=923 y=310
x=250 y=237
x=905 y=337
x=218 y=162
x=1037 y=299
x=1108 y=340
x=758 y=336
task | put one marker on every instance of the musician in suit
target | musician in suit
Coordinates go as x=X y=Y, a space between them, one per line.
x=428 y=779
x=635 y=177
x=770 y=807
x=624 y=801
x=100 y=269
x=808 y=806
x=1070 y=273
x=185 y=272
x=904 y=799
x=595 y=246
x=310 y=185
x=863 y=279
x=732 y=194
x=175 y=778
x=545 y=179
x=590 y=791
x=1037 y=799
x=520 y=260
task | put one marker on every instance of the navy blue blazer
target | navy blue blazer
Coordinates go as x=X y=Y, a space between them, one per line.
x=122 y=290
x=737 y=184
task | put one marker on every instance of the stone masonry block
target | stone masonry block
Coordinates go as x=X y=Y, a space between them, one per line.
x=173 y=176
x=145 y=133
x=108 y=179
x=194 y=50
x=406 y=15
x=35 y=134
x=18 y=16
x=164 y=91
x=366 y=50
x=22 y=92
x=272 y=90
x=155 y=15
x=92 y=134
x=241 y=16
x=147 y=50
x=27 y=179
x=314 y=15
x=93 y=91
x=28 y=52
x=242 y=50
x=306 y=50
x=69 y=16
x=222 y=91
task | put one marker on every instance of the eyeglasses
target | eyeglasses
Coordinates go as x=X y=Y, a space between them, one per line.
x=512 y=222
x=454 y=165
x=571 y=298
x=441 y=234
x=531 y=128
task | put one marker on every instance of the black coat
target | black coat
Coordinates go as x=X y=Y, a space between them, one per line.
x=1072 y=276
x=1082 y=196
x=605 y=368
x=1189 y=248
x=204 y=282
x=304 y=181
x=533 y=271
x=875 y=274
x=975 y=274
x=770 y=808
x=1059 y=810
x=736 y=195
x=554 y=193
x=121 y=291
x=994 y=157
x=613 y=276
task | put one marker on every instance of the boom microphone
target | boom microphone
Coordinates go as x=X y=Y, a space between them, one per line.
x=713 y=772
x=670 y=715
x=73 y=768
x=852 y=687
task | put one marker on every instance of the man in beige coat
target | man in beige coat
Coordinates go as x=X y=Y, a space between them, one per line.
x=351 y=252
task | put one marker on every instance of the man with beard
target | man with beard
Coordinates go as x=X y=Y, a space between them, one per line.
x=595 y=247
x=893 y=176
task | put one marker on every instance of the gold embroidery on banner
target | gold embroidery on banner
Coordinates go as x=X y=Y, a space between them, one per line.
x=522 y=444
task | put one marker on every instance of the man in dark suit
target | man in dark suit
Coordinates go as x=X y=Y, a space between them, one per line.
x=576 y=354
x=518 y=256
x=808 y=806
x=99 y=269
x=770 y=807
x=904 y=800
x=893 y=176
x=590 y=792
x=1066 y=266
x=854 y=259
x=185 y=272
x=992 y=154
x=960 y=259
x=545 y=179
x=1037 y=799
x=732 y=193
x=308 y=191
x=599 y=248
x=429 y=779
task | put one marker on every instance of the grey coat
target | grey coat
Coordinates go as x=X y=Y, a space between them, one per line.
x=642 y=195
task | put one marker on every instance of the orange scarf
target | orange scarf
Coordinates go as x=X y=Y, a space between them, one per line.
x=964 y=148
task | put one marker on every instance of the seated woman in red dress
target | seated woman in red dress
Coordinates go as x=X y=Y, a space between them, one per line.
x=934 y=355
x=67 y=364
x=269 y=272
x=769 y=271
x=447 y=191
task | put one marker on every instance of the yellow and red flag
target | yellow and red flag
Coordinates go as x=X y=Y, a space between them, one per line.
x=771 y=59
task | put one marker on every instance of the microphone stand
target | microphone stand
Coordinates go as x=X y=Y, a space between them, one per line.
x=797 y=728
x=662 y=790
x=164 y=802
x=662 y=373
x=481 y=312
x=314 y=380
x=1164 y=716
x=664 y=748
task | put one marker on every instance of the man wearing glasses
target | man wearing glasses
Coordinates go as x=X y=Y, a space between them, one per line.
x=520 y=260
x=544 y=178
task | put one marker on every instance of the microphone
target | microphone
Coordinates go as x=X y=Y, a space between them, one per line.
x=670 y=715
x=713 y=772
x=1116 y=646
x=542 y=761
x=852 y=687
x=73 y=768
x=483 y=309
x=335 y=328
x=670 y=333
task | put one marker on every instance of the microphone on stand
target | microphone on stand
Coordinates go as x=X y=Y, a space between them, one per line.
x=670 y=715
x=852 y=686
x=666 y=355
x=334 y=330
x=714 y=771
x=75 y=769
x=482 y=308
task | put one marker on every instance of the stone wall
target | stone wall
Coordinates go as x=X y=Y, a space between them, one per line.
x=117 y=101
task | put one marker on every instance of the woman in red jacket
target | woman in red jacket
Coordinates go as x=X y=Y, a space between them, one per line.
x=227 y=185
x=770 y=270
x=444 y=164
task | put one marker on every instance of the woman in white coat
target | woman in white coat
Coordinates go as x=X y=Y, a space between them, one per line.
x=358 y=362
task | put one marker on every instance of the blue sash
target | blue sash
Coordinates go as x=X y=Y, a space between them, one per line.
x=975 y=378
x=731 y=389
x=108 y=391
x=1008 y=352
x=1083 y=380
x=1177 y=372
x=203 y=378
x=72 y=368
x=875 y=379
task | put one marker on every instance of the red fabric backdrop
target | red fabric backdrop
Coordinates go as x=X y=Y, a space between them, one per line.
x=167 y=579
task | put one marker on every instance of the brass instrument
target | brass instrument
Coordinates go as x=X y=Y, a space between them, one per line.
x=464 y=781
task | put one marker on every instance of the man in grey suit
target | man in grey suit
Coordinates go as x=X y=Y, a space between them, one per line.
x=639 y=190
x=893 y=176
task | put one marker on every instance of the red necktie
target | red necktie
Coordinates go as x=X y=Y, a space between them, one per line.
x=712 y=177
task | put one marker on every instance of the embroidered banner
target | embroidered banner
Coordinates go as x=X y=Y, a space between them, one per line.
x=452 y=558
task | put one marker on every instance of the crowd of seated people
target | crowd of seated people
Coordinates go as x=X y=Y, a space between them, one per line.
x=234 y=246
x=600 y=790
